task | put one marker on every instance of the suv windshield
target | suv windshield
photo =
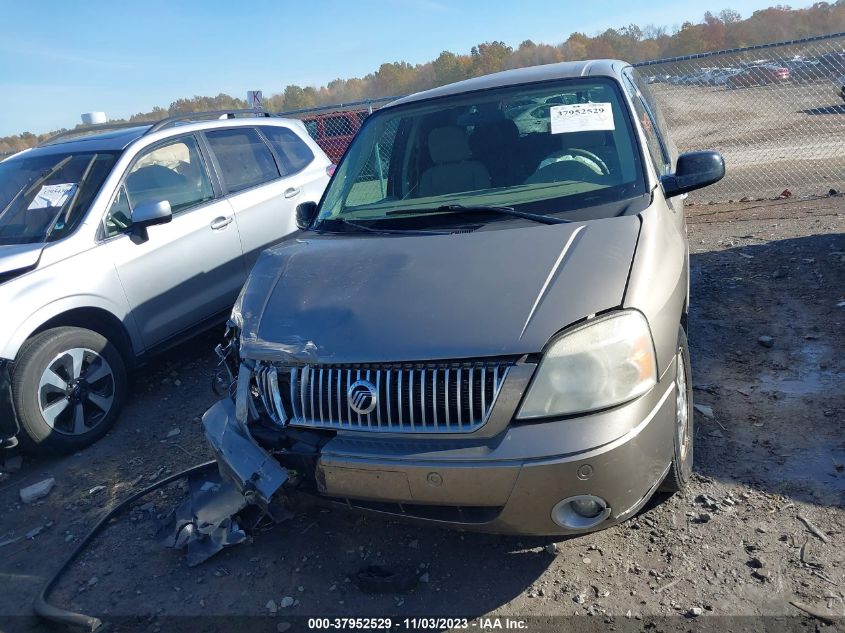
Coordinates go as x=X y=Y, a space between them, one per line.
x=44 y=196
x=551 y=147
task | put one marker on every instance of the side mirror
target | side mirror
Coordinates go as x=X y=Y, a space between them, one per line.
x=149 y=214
x=694 y=171
x=305 y=213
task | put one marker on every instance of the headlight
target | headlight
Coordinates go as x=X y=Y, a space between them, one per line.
x=601 y=364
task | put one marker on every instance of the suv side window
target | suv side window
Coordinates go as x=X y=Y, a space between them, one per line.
x=244 y=159
x=294 y=154
x=174 y=172
x=659 y=155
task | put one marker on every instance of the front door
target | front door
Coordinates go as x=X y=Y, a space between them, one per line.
x=189 y=269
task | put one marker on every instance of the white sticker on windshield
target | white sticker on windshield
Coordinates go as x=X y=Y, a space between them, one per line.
x=582 y=117
x=53 y=196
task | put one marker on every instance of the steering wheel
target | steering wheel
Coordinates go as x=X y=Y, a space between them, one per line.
x=602 y=168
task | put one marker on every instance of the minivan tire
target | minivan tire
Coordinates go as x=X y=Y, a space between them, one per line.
x=51 y=391
x=680 y=470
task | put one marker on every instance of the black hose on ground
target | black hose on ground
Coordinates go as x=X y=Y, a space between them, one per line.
x=49 y=611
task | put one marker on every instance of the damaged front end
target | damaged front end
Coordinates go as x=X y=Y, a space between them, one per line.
x=252 y=484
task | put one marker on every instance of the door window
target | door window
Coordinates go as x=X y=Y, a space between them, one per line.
x=174 y=172
x=245 y=160
x=292 y=151
x=659 y=156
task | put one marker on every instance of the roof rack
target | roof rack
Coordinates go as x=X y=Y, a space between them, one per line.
x=155 y=126
x=190 y=116
x=91 y=129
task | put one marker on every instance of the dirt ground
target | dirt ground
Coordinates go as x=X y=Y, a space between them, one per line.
x=769 y=448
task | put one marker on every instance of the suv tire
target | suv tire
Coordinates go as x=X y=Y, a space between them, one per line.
x=68 y=385
x=682 y=433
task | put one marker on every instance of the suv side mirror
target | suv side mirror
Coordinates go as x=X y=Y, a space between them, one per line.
x=694 y=171
x=149 y=214
x=305 y=213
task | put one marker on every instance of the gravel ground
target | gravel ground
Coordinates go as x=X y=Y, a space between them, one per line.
x=762 y=525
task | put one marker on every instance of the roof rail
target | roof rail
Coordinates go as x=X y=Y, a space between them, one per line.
x=190 y=116
x=155 y=126
x=91 y=129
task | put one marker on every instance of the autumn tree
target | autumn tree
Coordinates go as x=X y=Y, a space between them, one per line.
x=716 y=31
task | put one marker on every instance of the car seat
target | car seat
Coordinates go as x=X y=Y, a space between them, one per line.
x=453 y=169
x=496 y=144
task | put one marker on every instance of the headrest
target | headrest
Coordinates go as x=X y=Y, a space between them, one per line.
x=448 y=145
x=495 y=135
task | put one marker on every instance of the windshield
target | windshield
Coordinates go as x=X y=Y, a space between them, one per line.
x=565 y=146
x=43 y=197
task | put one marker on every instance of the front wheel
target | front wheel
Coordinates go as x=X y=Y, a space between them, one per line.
x=681 y=469
x=68 y=386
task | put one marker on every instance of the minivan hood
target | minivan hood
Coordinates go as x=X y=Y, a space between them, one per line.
x=19 y=256
x=371 y=298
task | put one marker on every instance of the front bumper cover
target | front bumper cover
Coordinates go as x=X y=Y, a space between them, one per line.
x=506 y=484
x=240 y=459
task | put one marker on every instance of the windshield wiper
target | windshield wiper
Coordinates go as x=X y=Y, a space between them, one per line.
x=459 y=208
x=382 y=231
x=29 y=187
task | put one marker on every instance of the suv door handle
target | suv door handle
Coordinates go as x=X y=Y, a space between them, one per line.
x=292 y=192
x=221 y=222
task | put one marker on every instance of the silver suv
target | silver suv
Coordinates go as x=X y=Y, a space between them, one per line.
x=116 y=244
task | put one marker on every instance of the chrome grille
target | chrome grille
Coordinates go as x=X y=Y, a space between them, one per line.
x=426 y=398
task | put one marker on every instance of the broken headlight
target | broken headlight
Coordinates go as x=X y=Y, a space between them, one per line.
x=601 y=364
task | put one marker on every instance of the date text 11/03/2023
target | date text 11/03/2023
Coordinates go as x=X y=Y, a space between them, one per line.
x=418 y=623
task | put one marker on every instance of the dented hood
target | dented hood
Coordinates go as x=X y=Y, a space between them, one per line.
x=362 y=298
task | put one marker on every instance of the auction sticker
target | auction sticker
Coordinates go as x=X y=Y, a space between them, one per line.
x=581 y=117
x=52 y=196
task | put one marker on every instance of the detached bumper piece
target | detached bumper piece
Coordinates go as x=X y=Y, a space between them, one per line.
x=222 y=508
x=206 y=521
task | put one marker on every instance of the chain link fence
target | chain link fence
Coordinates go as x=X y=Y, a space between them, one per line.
x=776 y=112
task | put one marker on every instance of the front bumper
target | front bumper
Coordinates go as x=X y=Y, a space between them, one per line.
x=506 y=484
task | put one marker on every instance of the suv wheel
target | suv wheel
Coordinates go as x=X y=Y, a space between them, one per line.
x=68 y=386
x=681 y=468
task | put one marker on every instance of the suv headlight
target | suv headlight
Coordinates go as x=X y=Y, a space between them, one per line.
x=598 y=365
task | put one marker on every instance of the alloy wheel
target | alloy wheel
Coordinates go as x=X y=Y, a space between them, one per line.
x=76 y=391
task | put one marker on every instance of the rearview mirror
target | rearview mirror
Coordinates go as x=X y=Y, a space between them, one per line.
x=305 y=213
x=148 y=214
x=694 y=171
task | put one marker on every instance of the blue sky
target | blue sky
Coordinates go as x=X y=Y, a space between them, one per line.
x=61 y=58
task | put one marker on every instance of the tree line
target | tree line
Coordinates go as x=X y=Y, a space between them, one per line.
x=716 y=31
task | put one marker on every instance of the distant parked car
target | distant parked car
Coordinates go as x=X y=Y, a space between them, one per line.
x=802 y=70
x=116 y=244
x=721 y=77
x=335 y=130
x=758 y=76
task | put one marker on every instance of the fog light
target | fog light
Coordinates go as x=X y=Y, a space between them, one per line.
x=587 y=508
x=580 y=512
